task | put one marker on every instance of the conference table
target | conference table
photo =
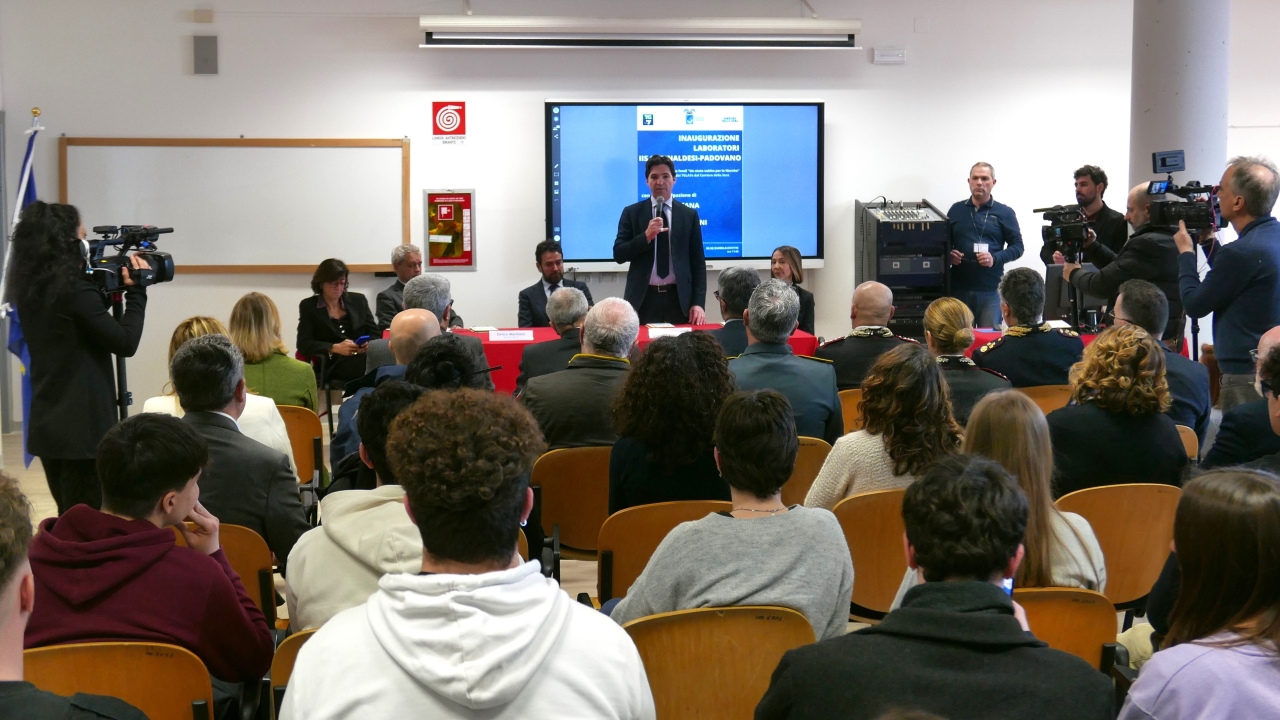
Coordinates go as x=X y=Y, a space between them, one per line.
x=507 y=352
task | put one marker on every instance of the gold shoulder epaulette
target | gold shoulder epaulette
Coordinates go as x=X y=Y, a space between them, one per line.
x=993 y=344
x=1069 y=333
x=821 y=360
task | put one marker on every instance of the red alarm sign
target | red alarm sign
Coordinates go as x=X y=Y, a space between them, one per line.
x=449 y=118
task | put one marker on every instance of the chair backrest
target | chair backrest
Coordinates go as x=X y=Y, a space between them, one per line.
x=813 y=452
x=1048 y=397
x=1072 y=620
x=872 y=524
x=304 y=430
x=282 y=666
x=575 y=493
x=629 y=538
x=165 y=682
x=1134 y=527
x=849 y=400
x=247 y=553
x=1190 y=442
x=715 y=662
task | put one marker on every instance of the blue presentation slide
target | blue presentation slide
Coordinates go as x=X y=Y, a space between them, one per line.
x=751 y=171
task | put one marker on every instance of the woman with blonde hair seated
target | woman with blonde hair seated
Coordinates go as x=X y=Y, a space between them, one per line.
x=1115 y=431
x=268 y=369
x=260 y=420
x=907 y=424
x=948 y=331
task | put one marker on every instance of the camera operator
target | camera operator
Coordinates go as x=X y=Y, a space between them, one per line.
x=1150 y=254
x=71 y=335
x=1242 y=288
x=1109 y=225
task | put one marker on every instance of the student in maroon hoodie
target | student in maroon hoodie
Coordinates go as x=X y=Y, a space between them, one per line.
x=119 y=575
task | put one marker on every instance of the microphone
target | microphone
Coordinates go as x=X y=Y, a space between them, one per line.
x=662 y=201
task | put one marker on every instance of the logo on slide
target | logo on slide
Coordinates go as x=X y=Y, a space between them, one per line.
x=647 y=118
x=444 y=212
x=449 y=118
x=688 y=117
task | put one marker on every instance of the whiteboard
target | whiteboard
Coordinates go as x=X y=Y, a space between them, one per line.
x=247 y=208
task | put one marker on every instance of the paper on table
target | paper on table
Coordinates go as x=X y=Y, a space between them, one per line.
x=657 y=332
x=499 y=335
x=1058 y=324
x=659 y=325
x=482 y=328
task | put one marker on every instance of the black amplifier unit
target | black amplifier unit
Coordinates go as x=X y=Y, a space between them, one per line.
x=905 y=246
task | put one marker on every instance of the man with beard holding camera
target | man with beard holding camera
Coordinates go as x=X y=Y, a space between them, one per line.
x=1150 y=254
x=1109 y=225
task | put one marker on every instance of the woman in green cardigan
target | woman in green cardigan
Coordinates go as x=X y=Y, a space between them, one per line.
x=268 y=369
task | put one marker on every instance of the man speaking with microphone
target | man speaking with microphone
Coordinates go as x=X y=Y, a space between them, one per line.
x=662 y=239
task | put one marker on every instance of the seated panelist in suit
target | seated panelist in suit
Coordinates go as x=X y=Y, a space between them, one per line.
x=854 y=354
x=662 y=239
x=785 y=265
x=331 y=321
x=533 y=299
x=406 y=260
x=567 y=308
x=736 y=285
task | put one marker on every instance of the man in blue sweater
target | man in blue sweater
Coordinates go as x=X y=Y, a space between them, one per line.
x=1242 y=288
x=984 y=236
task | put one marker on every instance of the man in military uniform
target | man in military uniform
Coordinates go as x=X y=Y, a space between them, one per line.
x=854 y=354
x=1030 y=353
x=808 y=383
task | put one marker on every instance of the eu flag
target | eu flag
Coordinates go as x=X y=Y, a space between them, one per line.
x=17 y=342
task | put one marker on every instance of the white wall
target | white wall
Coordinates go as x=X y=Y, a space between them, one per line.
x=1036 y=87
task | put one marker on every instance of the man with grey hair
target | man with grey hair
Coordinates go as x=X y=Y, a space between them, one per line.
x=1242 y=288
x=572 y=406
x=245 y=483
x=566 y=309
x=406 y=260
x=735 y=287
x=432 y=293
x=854 y=354
x=768 y=362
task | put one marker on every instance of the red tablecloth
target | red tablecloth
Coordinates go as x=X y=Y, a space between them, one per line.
x=507 y=353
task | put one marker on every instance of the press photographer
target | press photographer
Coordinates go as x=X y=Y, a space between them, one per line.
x=66 y=317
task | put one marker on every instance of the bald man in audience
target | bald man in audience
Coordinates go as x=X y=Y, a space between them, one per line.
x=855 y=353
x=1245 y=434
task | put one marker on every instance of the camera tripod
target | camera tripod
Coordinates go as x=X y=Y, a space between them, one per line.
x=124 y=398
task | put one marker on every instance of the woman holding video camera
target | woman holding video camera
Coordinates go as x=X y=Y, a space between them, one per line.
x=71 y=334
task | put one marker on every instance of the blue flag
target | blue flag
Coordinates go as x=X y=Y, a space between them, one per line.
x=17 y=342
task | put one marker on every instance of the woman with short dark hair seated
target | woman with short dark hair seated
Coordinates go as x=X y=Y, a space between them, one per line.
x=331 y=321
x=762 y=552
x=665 y=415
x=1115 y=431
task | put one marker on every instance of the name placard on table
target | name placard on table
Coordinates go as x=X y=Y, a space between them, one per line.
x=517 y=335
x=657 y=332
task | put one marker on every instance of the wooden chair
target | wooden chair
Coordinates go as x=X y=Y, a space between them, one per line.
x=629 y=538
x=715 y=662
x=249 y=556
x=849 y=400
x=1048 y=397
x=872 y=524
x=306 y=436
x=1134 y=527
x=1073 y=620
x=282 y=666
x=813 y=453
x=573 y=489
x=1190 y=442
x=165 y=682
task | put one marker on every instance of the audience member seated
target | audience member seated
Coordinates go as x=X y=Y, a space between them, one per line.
x=533 y=299
x=809 y=384
x=1030 y=352
x=761 y=553
x=854 y=354
x=445 y=363
x=366 y=533
x=567 y=307
x=331 y=321
x=1268 y=385
x=1220 y=657
x=1245 y=434
x=1115 y=431
x=665 y=416
x=1144 y=304
x=734 y=293
x=118 y=575
x=785 y=264
x=260 y=419
x=572 y=406
x=476 y=633
x=19 y=699
x=268 y=369
x=959 y=646
x=245 y=483
x=431 y=292
x=906 y=424
x=948 y=332
x=406 y=261
x=410 y=330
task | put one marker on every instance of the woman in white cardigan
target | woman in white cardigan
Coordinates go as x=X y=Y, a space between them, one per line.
x=907 y=424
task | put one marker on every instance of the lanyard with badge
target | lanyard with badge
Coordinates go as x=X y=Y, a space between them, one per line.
x=980 y=246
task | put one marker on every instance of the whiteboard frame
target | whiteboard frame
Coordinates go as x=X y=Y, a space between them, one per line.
x=402 y=143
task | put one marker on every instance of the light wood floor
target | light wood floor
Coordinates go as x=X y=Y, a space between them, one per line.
x=31 y=479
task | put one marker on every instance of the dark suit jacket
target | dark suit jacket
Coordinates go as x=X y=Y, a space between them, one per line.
x=533 y=302
x=853 y=355
x=732 y=337
x=1149 y=255
x=390 y=303
x=247 y=483
x=548 y=357
x=806 y=308
x=1189 y=385
x=317 y=332
x=573 y=406
x=73 y=381
x=1032 y=355
x=1093 y=447
x=1245 y=435
x=687 y=259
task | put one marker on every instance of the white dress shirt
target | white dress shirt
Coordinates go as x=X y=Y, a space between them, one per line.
x=670 y=278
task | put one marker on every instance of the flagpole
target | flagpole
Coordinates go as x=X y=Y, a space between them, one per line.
x=23 y=182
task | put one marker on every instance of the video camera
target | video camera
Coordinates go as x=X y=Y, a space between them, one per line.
x=106 y=270
x=1196 y=213
x=1066 y=231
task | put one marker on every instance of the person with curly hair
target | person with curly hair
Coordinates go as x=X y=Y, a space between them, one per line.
x=1115 y=430
x=446 y=363
x=665 y=416
x=477 y=632
x=906 y=424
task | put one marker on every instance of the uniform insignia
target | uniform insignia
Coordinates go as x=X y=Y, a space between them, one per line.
x=993 y=372
x=832 y=342
x=957 y=359
x=1019 y=331
x=1068 y=333
x=869 y=331
x=907 y=339
x=821 y=360
x=1043 y=327
x=991 y=345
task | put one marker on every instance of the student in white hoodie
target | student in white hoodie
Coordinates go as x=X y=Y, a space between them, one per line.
x=366 y=533
x=477 y=633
